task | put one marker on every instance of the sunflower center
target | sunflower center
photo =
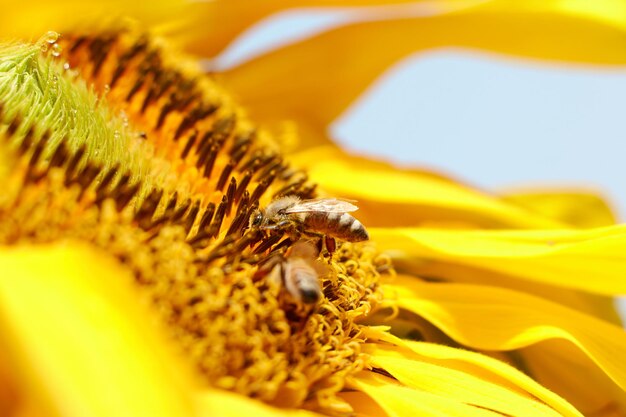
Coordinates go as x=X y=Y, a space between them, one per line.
x=159 y=168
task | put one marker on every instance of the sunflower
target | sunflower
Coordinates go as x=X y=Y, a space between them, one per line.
x=136 y=280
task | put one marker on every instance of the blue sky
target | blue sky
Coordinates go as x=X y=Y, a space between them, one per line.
x=497 y=123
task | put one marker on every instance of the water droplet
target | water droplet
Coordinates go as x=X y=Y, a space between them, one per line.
x=124 y=118
x=117 y=134
x=56 y=49
x=48 y=39
x=51 y=37
x=55 y=84
x=66 y=66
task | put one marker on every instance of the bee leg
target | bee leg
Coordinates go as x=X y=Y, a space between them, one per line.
x=294 y=235
x=319 y=244
x=331 y=246
x=287 y=242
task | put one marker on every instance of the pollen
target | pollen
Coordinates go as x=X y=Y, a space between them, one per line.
x=111 y=140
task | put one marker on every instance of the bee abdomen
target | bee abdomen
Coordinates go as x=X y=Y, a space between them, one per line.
x=339 y=225
x=302 y=281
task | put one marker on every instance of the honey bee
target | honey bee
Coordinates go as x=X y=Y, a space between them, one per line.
x=298 y=272
x=317 y=217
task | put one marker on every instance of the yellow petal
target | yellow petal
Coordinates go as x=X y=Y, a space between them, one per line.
x=520 y=279
x=558 y=365
x=592 y=260
x=77 y=340
x=457 y=385
x=363 y=405
x=398 y=400
x=31 y=19
x=491 y=318
x=555 y=364
x=226 y=404
x=210 y=26
x=391 y=197
x=601 y=306
x=475 y=364
x=335 y=67
x=573 y=207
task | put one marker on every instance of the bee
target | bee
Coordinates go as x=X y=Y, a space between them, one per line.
x=298 y=272
x=315 y=218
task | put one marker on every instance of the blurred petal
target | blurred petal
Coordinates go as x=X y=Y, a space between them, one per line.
x=573 y=207
x=227 y=404
x=364 y=406
x=210 y=26
x=335 y=67
x=560 y=366
x=31 y=19
x=414 y=198
x=490 y=318
x=591 y=260
x=77 y=338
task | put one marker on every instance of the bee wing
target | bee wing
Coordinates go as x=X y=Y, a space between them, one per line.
x=326 y=205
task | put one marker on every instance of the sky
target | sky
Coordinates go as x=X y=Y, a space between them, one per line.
x=493 y=121
x=496 y=123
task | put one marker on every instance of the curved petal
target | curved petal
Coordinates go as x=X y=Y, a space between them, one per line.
x=31 y=19
x=476 y=364
x=335 y=67
x=498 y=319
x=461 y=386
x=577 y=208
x=560 y=366
x=399 y=401
x=413 y=197
x=207 y=27
x=598 y=305
x=364 y=406
x=212 y=403
x=591 y=260
x=77 y=341
x=210 y=26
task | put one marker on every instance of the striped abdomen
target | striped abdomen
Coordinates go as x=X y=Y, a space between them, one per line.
x=302 y=280
x=339 y=225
